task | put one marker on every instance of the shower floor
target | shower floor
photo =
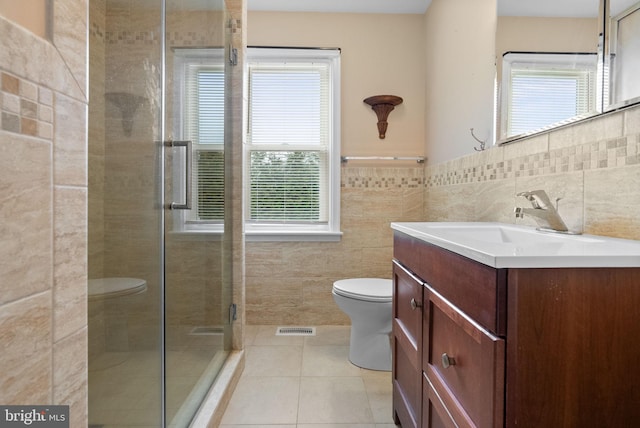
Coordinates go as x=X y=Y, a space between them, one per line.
x=124 y=387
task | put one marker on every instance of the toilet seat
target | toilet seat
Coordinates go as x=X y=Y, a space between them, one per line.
x=367 y=289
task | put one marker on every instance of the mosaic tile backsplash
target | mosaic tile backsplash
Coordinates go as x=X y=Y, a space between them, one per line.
x=26 y=108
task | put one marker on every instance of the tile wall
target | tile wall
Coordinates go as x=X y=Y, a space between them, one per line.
x=593 y=166
x=290 y=283
x=43 y=227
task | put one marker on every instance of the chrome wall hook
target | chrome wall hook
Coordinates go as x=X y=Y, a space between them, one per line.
x=483 y=144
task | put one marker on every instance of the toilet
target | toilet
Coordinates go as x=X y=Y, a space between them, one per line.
x=367 y=301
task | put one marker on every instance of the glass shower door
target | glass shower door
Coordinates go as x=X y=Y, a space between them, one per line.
x=125 y=220
x=196 y=297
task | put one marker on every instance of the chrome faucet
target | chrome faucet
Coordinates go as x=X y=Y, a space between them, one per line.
x=543 y=211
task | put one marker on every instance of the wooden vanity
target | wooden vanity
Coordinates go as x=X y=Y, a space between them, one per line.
x=479 y=346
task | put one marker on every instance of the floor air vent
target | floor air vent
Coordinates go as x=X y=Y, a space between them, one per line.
x=296 y=331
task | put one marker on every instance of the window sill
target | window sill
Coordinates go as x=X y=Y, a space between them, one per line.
x=289 y=236
x=197 y=235
x=262 y=236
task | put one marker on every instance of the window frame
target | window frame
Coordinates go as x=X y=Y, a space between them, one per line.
x=544 y=61
x=277 y=231
x=183 y=58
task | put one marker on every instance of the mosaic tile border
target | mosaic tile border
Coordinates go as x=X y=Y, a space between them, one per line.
x=25 y=107
x=96 y=30
x=603 y=154
x=382 y=178
x=174 y=38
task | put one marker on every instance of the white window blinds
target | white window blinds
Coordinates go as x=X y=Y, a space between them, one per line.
x=289 y=142
x=202 y=122
x=547 y=89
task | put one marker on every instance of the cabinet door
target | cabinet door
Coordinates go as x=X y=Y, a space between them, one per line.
x=464 y=365
x=407 y=347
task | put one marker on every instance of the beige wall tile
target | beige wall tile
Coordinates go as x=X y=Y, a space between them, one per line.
x=276 y=273
x=632 y=121
x=612 y=201
x=70 y=246
x=70 y=142
x=597 y=129
x=25 y=340
x=25 y=216
x=538 y=144
x=70 y=37
x=70 y=375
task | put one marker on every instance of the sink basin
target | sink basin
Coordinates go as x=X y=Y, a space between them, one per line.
x=504 y=233
x=502 y=245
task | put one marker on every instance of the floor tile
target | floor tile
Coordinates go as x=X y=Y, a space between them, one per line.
x=332 y=400
x=330 y=335
x=327 y=361
x=330 y=392
x=255 y=401
x=273 y=361
x=379 y=393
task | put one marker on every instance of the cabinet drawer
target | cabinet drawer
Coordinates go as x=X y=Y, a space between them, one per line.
x=478 y=290
x=464 y=363
x=407 y=346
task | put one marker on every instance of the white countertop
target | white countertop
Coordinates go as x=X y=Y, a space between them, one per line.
x=502 y=245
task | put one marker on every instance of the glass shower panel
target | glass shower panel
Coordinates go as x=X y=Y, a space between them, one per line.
x=125 y=219
x=196 y=305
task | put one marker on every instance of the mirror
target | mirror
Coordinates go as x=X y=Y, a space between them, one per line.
x=622 y=53
x=546 y=62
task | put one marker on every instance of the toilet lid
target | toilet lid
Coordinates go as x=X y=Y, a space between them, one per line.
x=115 y=287
x=369 y=289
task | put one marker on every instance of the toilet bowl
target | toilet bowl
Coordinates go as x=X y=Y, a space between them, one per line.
x=367 y=301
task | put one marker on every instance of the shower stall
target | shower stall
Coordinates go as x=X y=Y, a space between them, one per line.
x=159 y=307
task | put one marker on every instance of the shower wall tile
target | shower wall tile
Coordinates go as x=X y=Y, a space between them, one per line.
x=70 y=37
x=26 y=350
x=70 y=245
x=37 y=252
x=70 y=374
x=19 y=49
x=70 y=141
x=25 y=216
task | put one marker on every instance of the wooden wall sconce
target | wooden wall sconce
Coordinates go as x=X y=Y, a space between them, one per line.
x=382 y=105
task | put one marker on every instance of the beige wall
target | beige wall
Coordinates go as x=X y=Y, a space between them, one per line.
x=43 y=228
x=459 y=44
x=532 y=34
x=381 y=54
x=30 y=14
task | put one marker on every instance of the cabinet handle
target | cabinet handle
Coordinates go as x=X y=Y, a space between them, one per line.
x=414 y=304
x=448 y=361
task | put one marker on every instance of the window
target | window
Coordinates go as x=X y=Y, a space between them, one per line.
x=292 y=150
x=199 y=117
x=541 y=90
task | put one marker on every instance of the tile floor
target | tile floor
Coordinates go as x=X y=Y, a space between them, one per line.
x=307 y=382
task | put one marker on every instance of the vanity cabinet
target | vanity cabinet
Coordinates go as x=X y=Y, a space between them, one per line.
x=407 y=347
x=513 y=347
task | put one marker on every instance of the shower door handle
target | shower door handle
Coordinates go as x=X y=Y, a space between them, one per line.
x=187 y=175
